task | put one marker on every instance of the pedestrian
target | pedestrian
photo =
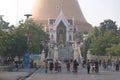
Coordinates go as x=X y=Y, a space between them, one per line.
x=88 y=66
x=68 y=65
x=51 y=66
x=46 y=66
x=17 y=66
x=96 y=66
x=56 y=66
x=117 y=66
x=75 y=66
x=31 y=63
x=104 y=64
x=59 y=65
x=83 y=63
x=92 y=65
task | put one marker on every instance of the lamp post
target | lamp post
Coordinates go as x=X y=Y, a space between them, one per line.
x=27 y=55
x=28 y=32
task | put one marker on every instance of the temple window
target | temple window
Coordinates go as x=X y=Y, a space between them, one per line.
x=70 y=21
x=51 y=21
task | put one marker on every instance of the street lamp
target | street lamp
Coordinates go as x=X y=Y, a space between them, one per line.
x=27 y=55
x=28 y=33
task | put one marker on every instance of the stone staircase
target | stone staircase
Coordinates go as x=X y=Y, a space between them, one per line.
x=65 y=53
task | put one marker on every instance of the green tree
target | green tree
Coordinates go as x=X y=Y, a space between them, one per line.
x=4 y=37
x=3 y=41
x=103 y=37
x=114 y=50
x=19 y=39
x=93 y=34
x=107 y=25
x=36 y=38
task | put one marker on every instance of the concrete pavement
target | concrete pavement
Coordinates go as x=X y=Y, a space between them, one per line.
x=37 y=76
x=16 y=75
x=12 y=75
x=81 y=75
x=64 y=75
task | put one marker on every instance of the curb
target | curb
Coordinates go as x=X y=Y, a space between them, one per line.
x=25 y=77
x=28 y=78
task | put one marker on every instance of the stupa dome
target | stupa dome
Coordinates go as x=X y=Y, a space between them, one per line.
x=45 y=9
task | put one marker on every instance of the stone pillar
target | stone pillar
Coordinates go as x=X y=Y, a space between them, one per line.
x=56 y=53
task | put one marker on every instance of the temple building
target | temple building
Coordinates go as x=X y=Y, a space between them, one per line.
x=60 y=18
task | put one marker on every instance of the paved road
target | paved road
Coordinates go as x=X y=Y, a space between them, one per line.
x=12 y=75
x=81 y=75
x=15 y=75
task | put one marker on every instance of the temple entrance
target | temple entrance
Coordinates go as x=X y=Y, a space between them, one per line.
x=61 y=33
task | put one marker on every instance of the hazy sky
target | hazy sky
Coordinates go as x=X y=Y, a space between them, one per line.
x=95 y=11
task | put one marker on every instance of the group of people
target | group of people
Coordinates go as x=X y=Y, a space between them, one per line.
x=72 y=65
x=57 y=65
x=53 y=65
x=94 y=65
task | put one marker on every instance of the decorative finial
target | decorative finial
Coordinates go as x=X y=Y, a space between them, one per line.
x=60 y=5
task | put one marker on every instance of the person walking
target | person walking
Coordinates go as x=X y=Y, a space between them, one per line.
x=51 y=66
x=59 y=65
x=75 y=66
x=17 y=66
x=92 y=65
x=88 y=66
x=56 y=66
x=117 y=65
x=46 y=66
x=96 y=66
x=104 y=64
x=68 y=65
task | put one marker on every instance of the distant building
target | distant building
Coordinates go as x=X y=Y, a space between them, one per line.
x=60 y=18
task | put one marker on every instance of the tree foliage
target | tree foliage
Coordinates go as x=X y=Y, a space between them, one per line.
x=114 y=50
x=3 y=41
x=103 y=38
x=15 y=41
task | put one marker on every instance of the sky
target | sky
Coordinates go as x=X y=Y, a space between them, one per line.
x=94 y=11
